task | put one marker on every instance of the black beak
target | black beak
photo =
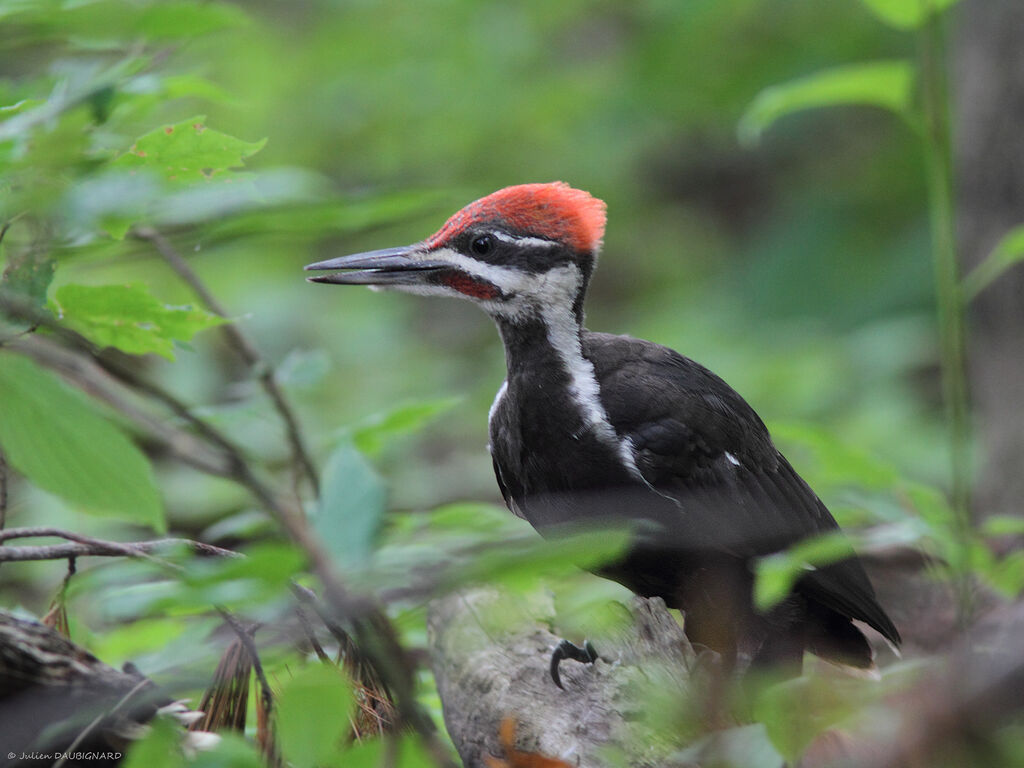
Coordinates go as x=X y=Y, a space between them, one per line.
x=407 y=265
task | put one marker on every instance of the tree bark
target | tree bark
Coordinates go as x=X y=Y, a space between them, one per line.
x=491 y=665
x=989 y=115
x=51 y=690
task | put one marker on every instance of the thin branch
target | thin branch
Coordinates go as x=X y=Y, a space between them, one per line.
x=246 y=349
x=3 y=490
x=310 y=633
x=245 y=638
x=86 y=546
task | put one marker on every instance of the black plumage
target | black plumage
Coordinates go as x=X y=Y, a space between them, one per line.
x=597 y=429
x=709 y=515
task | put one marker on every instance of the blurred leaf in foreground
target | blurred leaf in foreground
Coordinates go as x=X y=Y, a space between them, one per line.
x=233 y=751
x=160 y=748
x=53 y=436
x=370 y=434
x=1008 y=251
x=747 y=746
x=313 y=713
x=776 y=574
x=130 y=318
x=906 y=14
x=797 y=711
x=886 y=84
x=349 y=515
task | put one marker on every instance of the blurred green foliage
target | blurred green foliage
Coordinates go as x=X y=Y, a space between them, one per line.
x=796 y=268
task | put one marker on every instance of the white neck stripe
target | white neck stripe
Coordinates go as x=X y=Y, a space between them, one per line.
x=563 y=333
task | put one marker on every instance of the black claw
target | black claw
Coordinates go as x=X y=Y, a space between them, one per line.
x=566 y=650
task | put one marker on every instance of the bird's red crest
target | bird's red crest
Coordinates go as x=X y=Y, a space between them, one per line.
x=555 y=211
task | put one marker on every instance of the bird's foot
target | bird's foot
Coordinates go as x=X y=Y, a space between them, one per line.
x=566 y=650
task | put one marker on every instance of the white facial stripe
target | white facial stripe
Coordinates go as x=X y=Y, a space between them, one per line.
x=535 y=242
x=506 y=279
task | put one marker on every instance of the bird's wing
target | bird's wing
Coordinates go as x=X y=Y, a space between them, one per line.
x=697 y=442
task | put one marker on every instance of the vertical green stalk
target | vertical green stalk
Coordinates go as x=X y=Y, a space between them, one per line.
x=948 y=291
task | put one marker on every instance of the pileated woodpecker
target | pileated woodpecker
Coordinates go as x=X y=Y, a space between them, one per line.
x=602 y=429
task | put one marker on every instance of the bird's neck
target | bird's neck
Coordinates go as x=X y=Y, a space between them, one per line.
x=547 y=340
x=546 y=366
x=552 y=382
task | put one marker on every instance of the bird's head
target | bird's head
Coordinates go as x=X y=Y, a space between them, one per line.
x=515 y=253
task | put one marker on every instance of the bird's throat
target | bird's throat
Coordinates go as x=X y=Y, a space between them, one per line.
x=548 y=373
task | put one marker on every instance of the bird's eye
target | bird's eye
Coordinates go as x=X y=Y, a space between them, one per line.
x=482 y=245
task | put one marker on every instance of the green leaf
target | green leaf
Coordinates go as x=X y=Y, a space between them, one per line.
x=188 y=152
x=232 y=751
x=160 y=748
x=302 y=222
x=370 y=435
x=113 y=20
x=1007 y=574
x=796 y=711
x=303 y=369
x=931 y=505
x=746 y=745
x=271 y=564
x=517 y=564
x=130 y=318
x=18 y=107
x=835 y=462
x=1003 y=525
x=906 y=14
x=313 y=716
x=54 y=436
x=126 y=642
x=1008 y=251
x=187 y=19
x=261 y=577
x=775 y=577
x=181 y=86
x=776 y=574
x=112 y=201
x=27 y=279
x=372 y=753
x=886 y=84
x=351 y=506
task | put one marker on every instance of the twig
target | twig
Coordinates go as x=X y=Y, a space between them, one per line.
x=86 y=546
x=950 y=304
x=310 y=633
x=246 y=349
x=245 y=638
x=3 y=490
